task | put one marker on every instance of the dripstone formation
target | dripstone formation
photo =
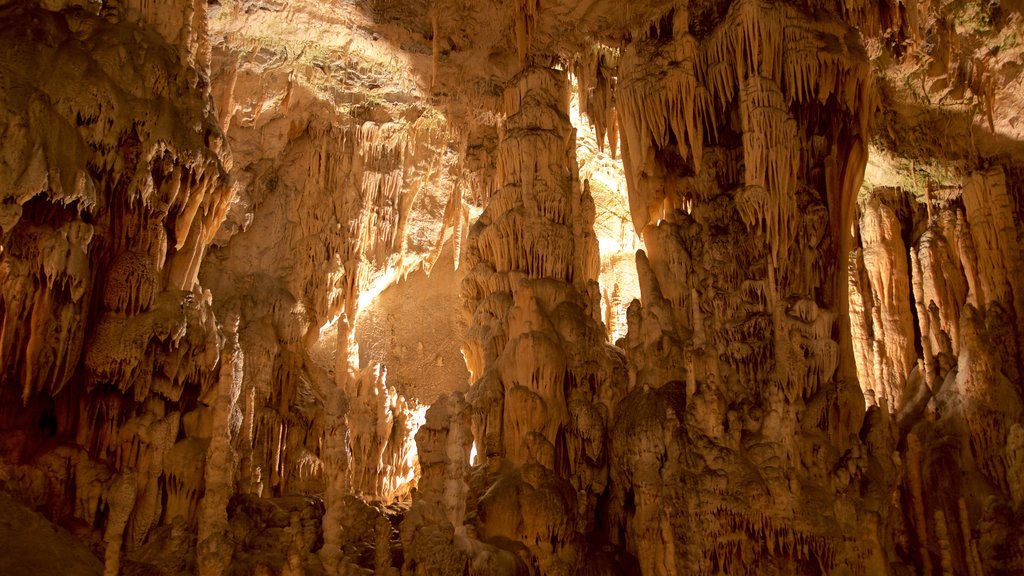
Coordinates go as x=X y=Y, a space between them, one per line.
x=309 y=287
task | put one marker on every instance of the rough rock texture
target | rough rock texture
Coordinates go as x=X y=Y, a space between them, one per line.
x=114 y=184
x=958 y=229
x=318 y=287
x=881 y=320
x=423 y=357
x=535 y=347
x=744 y=158
x=347 y=185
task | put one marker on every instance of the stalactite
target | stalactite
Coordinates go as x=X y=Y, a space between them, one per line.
x=120 y=337
x=725 y=437
x=435 y=46
x=744 y=198
x=526 y=13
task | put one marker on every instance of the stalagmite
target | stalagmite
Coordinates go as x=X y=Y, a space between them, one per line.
x=213 y=535
x=433 y=534
x=121 y=499
x=880 y=289
x=534 y=344
x=336 y=457
x=988 y=210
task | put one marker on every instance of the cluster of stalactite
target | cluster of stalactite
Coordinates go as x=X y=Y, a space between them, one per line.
x=118 y=381
x=949 y=371
x=742 y=444
x=342 y=232
x=150 y=411
x=743 y=150
x=167 y=394
x=334 y=207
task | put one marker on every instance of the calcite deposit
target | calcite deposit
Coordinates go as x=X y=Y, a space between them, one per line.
x=439 y=287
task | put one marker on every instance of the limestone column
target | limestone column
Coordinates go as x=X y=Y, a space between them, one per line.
x=214 y=548
x=535 y=347
x=337 y=476
x=744 y=139
x=881 y=319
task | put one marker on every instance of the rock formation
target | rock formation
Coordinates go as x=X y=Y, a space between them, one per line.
x=744 y=377
x=543 y=377
x=115 y=184
x=529 y=288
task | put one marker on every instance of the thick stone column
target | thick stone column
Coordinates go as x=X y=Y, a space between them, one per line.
x=744 y=143
x=535 y=346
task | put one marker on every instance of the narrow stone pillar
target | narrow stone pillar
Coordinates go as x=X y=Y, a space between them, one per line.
x=337 y=475
x=214 y=542
x=535 y=347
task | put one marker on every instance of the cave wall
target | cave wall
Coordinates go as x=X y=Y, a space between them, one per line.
x=144 y=408
x=819 y=375
x=747 y=442
x=956 y=403
x=117 y=375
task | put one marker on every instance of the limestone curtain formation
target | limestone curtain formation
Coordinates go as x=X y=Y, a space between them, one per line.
x=744 y=158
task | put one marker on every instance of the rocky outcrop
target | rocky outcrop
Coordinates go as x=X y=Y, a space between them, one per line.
x=23 y=531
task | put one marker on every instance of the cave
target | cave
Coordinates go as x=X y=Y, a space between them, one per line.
x=524 y=288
